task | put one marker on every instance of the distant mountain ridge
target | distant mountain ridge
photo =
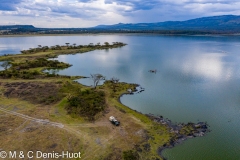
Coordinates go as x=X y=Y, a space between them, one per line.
x=226 y=24
x=10 y=27
x=218 y=23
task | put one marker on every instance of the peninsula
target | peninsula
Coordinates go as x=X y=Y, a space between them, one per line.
x=50 y=112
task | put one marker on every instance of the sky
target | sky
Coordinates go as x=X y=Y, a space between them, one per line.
x=89 y=13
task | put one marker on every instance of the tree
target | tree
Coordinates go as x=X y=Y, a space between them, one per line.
x=58 y=47
x=5 y=65
x=67 y=44
x=45 y=48
x=106 y=43
x=114 y=81
x=53 y=47
x=96 y=79
x=23 y=51
x=130 y=155
x=90 y=45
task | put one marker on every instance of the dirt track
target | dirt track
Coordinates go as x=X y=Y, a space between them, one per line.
x=42 y=121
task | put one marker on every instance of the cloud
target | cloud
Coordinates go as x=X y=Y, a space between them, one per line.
x=9 y=5
x=136 y=4
x=95 y=12
x=165 y=10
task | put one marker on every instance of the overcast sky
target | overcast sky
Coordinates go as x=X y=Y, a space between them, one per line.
x=87 y=13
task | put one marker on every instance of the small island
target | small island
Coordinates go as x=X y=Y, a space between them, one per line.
x=47 y=111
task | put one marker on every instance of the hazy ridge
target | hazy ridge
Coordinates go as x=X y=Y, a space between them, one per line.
x=226 y=24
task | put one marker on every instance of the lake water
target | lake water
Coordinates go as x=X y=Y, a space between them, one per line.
x=197 y=79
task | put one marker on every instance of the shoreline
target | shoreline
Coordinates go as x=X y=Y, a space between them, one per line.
x=97 y=34
x=199 y=129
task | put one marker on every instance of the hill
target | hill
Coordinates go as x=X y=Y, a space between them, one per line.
x=10 y=27
x=226 y=23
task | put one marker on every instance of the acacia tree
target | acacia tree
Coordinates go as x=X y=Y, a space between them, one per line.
x=106 y=43
x=5 y=65
x=58 y=47
x=96 y=79
x=114 y=81
x=90 y=45
x=23 y=51
x=74 y=44
x=45 y=48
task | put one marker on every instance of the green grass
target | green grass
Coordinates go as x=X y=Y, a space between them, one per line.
x=159 y=134
x=59 y=114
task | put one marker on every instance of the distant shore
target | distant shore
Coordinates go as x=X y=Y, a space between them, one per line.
x=91 y=34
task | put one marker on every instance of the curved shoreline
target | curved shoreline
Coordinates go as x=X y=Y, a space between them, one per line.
x=198 y=129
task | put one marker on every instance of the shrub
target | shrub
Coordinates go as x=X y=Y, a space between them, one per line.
x=86 y=103
x=130 y=155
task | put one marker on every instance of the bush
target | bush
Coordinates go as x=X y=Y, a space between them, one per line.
x=41 y=62
x=130 y=155
x=87 y=103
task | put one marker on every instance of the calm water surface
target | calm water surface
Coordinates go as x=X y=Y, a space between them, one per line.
x=197 y=79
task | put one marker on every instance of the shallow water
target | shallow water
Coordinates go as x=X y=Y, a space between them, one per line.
x=1 y=68
x=197 y=79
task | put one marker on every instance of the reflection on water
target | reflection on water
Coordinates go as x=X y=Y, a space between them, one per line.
x=197 y=79
x=208 y=66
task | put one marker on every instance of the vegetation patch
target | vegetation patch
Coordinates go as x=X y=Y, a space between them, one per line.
x=31 y=62
x=19 y=74
x=74 y=46
x=40 y=62
x=34 y=92
x=116 y=89
x=130 y=155
x=86 y=103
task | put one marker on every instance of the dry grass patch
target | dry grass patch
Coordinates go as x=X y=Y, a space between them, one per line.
x=34 y=92
x=18 y=134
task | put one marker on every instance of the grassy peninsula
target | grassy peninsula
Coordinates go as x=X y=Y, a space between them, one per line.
x=51 y=112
